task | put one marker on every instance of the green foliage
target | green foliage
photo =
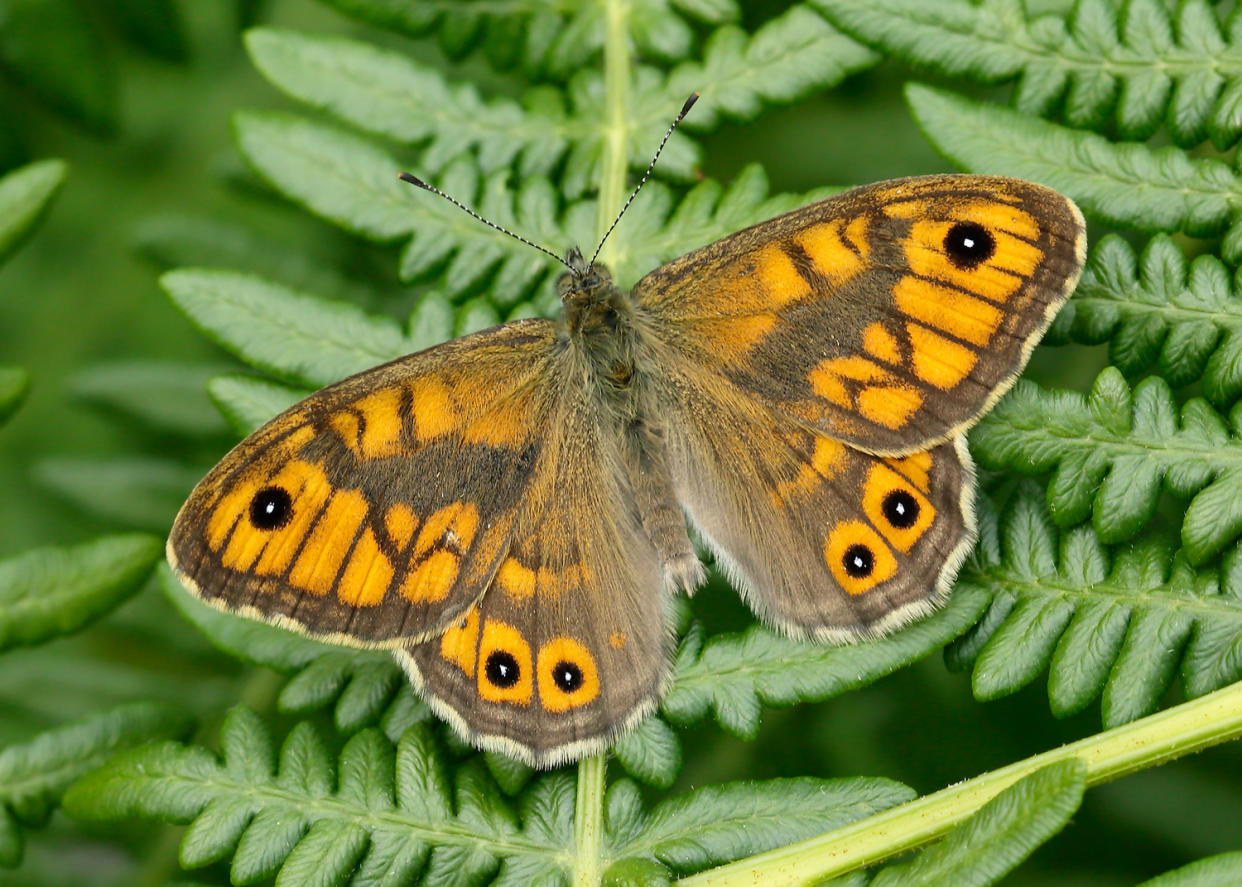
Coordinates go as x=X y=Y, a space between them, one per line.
x=290 y=335
x=34 y=774
x=163 y=396
x=401 y=816
x=1120 y=624
x=1138 y=65
x=542 y=39
x=55 y=591
x=734 y=675
x=1159 y=312
x=1214 y=870
x=1115 y=569
x=25 y=196
x=1003 y=833
x=1115 y=450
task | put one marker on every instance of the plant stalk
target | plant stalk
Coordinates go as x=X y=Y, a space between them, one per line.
x=615 y=162
x=589 y=821
x=1153 y=740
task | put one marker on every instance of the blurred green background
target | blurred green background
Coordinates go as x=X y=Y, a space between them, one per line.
x=148 y=147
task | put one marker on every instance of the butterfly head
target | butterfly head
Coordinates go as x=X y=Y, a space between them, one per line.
x=584 y=282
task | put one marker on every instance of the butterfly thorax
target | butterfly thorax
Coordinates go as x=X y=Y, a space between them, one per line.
x=598 y=320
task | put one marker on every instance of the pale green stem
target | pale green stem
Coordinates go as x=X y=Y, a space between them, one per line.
x=589 y=821
x=1154 y=740
x=615 y=123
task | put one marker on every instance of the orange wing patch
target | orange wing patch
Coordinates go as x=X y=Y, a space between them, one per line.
x=858 y=383
x=368 y=573
x=330 y=541
x=939 y=361
x=879 y=342
x=568 y=676
x=858 y=557
x=520 y=582
x=827 y=460
x=460 y=642
x=948 y=309
x=504 y=674
x=836 y=250
x=896 y=507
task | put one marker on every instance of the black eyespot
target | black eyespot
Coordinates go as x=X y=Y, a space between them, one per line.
x=969 y=244
x=270 y=509
x=502 y=669
x=858 y=561
x=568 y=676
x=900 y=509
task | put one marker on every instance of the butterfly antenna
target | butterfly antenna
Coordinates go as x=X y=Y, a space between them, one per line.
x=415 y=180
x=685 y=109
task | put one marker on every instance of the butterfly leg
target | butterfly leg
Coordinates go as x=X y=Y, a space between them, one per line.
x=659 y=509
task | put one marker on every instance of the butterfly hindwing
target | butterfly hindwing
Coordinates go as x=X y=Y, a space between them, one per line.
x=376 y=510
x=823 y=540
x=570 y=643
x=889 y=316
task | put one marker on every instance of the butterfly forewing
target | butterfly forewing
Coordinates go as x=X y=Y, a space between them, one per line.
x=354 y=516
x=888 y=316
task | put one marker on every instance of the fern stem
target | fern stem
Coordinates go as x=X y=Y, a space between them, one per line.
x=1157 y=739
x=589 y=821
x=617 y=75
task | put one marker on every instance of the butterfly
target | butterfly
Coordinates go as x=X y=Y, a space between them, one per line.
x=508 y=511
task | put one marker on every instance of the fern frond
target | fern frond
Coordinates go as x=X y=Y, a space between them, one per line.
x=1114 y=623
x=352 y=182
x=362 y=687
x=1115 y=450
x=1140 y=64
x=396 y=816
x=377 y=814
x=651 y=753
x=25 y=195
x=290 y=335
x=734 y=675
x=35 y=773
x=731 y=675
x=1160 y=313
x=247 y=402
x=305 y=258
x=544 y=40
x=335 y=174
x=719 y=823
x=739 y=73
x=388 y=94
x=1002 y=833
x=1123 y=183
x=49 y=592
